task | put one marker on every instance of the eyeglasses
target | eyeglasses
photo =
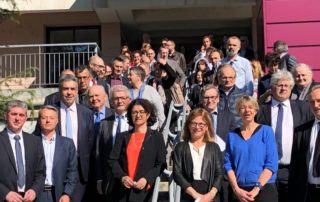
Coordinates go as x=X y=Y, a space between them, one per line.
x=194 y=125
x=142 y=112
x=96 y=65
x=210 y=97
x=83 y=78
x=283 y=86
x=228 y=77
x=120 y=98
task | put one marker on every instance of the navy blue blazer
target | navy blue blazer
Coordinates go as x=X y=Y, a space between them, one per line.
x=35 y=166
x=65 y=168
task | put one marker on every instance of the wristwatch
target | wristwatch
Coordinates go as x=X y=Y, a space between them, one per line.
x=259 y=185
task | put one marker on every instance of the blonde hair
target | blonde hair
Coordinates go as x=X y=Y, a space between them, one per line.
x=247 y=99
x=256 y=69
x=209 y=134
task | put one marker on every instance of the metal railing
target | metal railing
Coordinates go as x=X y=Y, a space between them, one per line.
x=44 y=61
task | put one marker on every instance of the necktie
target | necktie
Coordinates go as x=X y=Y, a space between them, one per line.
x=21 y=176
x=316 y=156
x=118 y=130
x=68 y=124
x=97 y=122
x=214 y=122
x=278 y=131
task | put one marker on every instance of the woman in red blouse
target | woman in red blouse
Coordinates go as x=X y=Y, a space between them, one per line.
x=138 y=155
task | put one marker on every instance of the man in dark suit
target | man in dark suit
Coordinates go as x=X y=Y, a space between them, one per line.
x=22 y=159
x=287 y=61
x=55 y=97
x=61 y=159
x=76 y=123
x=304 y=178
x=97 y=98
x=223 y=122
x=283 y=115
x=110 y=127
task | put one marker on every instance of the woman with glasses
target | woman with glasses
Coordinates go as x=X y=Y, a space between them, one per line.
x=197 y=162
x=138 y=156
x=251 y=158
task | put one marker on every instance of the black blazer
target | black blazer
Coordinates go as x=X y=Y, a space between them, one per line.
x=298 y=172
x=152 y=161
x=301 y=113
x=52 y=98
x=85 y=137
x=225 y=123
x=65 y=168
x=211 y=170
x=35 y=167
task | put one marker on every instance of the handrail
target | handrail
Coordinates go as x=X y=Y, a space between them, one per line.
x=48 y=45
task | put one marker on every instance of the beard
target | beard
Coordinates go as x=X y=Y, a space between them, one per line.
x=231 y=53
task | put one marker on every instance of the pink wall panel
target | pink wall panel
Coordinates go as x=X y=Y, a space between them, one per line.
x=292 y=10
x=298 y=23
x=295 y=34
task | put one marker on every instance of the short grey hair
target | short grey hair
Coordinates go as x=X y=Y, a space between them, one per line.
x=280 y=46
x=222 y=66
x=15 y=103
x=50 y=107
x=138 y=71
x=206 y=88
x=304 y=66
x=119 y=88
x=67 y=77
x=282 y=75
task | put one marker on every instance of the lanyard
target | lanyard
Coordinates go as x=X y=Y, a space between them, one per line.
x=141 y=90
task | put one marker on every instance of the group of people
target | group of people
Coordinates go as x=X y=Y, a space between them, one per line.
x=99 y=138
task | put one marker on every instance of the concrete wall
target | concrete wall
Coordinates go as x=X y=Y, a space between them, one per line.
x=31 y=29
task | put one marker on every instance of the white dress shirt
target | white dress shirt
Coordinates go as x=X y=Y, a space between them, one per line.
x=197 y=159
x=49 y=147
x=287 y=129
x=313 y=138
x=124 y=125
x=74 y=121
x=13 y=143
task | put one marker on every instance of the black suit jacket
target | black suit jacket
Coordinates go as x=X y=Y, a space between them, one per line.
x=298 y=173
x=301 y=113
x=52 y=98
x=211 y=170
x=35 y=167
x=65 y=168
x=152 y=161
x=225 y=123
x=85 y=138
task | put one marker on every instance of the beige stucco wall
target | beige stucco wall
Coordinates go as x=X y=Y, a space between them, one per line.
x=31 y=29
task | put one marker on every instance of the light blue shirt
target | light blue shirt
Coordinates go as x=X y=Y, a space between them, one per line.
x=49 y=146
x=102 y=114
x=13 y=142
x=244 y=80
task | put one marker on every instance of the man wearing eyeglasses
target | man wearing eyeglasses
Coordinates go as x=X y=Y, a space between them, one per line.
x=96 y=66
x=223 y=122
x=284 y=115
x=229 y=92
x=113 y=124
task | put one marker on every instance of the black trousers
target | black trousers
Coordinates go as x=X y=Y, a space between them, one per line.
x=282 y=183
x=268 y=193
x=313 y=193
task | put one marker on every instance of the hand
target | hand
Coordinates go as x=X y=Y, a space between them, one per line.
x=243 y=195
x=127 y=182
x=64 y=198
x=202 y=49
x=254 y=192
x=29 y=196
x=196 y=196
x=99 y=187
x=207 y=198
x=14 y=197
x=140 y=184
